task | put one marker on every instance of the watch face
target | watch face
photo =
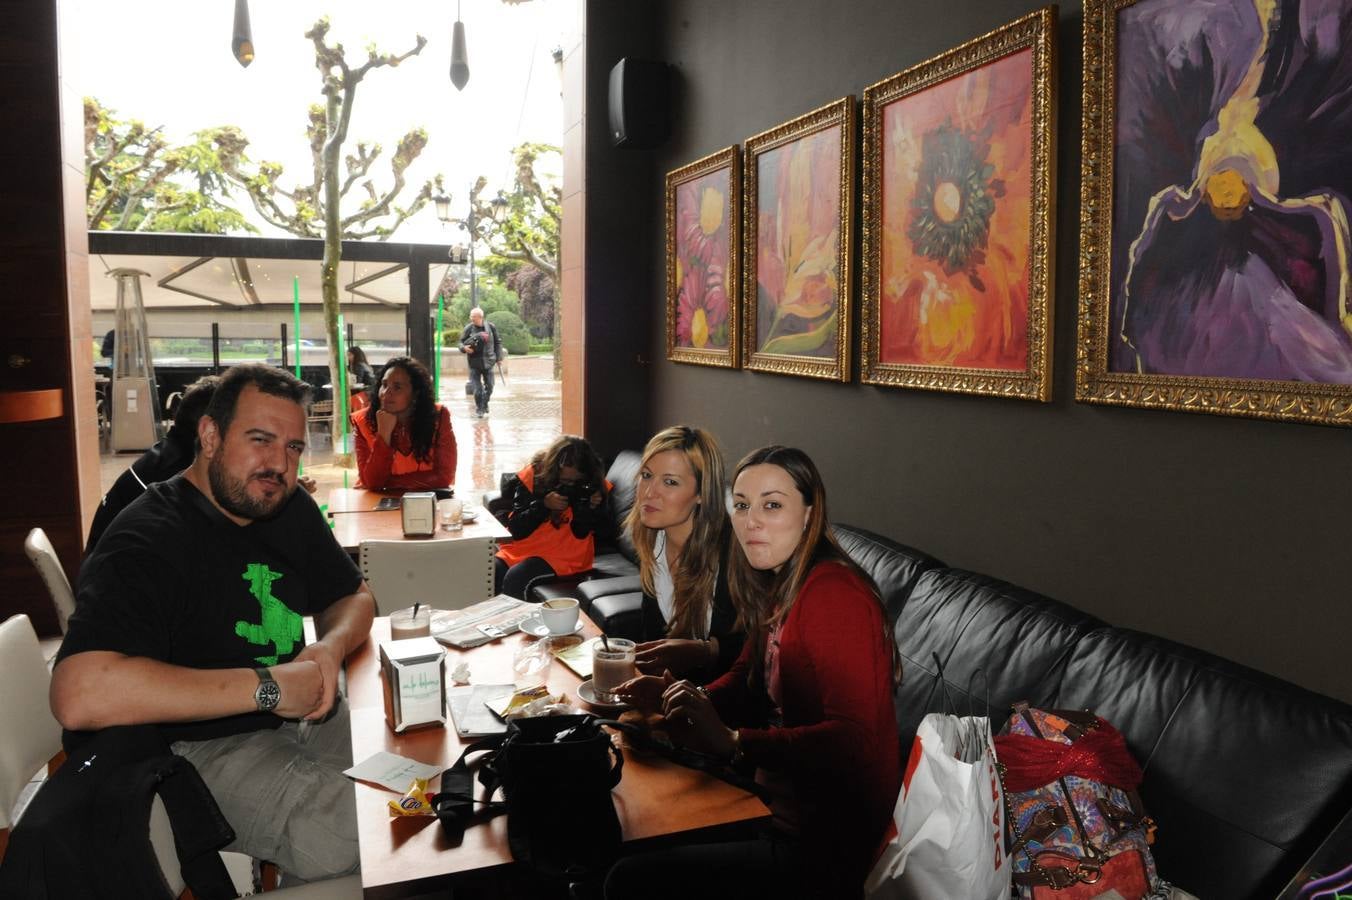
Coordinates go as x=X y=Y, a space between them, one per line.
x=267 y=696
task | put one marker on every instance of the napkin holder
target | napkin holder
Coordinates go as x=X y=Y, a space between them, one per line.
x=414 y=675
x=419 y=510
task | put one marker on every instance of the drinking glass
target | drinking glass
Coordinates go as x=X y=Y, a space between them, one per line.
x=612 y=666
x=451 y=514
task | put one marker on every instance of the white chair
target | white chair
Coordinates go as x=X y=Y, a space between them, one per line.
x=440 y=574
x=32 y=736
x=43 y=555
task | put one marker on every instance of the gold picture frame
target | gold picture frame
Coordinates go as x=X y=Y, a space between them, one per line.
x=959 y=199
x=1171 y=312
x=703 y=228
x=798 y=235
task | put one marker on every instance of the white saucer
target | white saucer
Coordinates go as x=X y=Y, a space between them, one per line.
x=536 y=626
x=584 y=690
x=468 y=515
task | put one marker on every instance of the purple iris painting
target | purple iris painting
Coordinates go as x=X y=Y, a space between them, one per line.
x=1231 y=254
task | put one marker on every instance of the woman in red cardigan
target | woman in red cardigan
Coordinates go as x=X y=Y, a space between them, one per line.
x=404 y=439
x=808 y=704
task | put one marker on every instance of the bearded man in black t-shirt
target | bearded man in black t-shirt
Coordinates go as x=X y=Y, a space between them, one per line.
x=188 y=615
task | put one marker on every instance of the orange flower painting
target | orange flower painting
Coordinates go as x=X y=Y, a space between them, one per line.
x=798 y=216
x=953 y=278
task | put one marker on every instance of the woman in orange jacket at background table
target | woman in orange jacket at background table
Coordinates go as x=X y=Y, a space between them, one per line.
x=404 y=440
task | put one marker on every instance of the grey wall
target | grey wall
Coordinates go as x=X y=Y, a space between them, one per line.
x=1228 y=534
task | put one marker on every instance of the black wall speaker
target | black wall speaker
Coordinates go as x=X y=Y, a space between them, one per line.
x=640 y=97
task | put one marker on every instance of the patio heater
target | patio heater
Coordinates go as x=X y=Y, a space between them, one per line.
x=134 y=401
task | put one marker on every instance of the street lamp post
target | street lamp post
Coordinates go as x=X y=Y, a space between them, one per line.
x=443 y=207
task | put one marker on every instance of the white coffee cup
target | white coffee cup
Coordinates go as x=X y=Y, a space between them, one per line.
x=559 y=615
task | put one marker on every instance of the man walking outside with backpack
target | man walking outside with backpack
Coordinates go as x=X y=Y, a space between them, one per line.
x=479 y=341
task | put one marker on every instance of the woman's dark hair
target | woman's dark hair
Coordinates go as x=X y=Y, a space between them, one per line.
x=422 y=424
x=191 y=406
x=764 y=598
x=358 y=356
x=568 y=450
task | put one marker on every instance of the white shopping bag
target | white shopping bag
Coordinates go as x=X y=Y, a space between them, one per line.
x=950 y=819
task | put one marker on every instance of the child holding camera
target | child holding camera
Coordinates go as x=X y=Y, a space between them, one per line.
x=558 y=501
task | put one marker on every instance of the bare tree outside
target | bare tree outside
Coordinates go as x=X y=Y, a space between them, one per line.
x=315 y=209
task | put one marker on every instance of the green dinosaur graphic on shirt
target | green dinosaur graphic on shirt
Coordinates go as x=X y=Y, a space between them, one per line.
x=280 y=627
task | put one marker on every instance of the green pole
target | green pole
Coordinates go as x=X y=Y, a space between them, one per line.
x=342 y=377
x=295 y=302
x=436 y=373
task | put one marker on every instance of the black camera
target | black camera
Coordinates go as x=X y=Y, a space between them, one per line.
x=577 y=492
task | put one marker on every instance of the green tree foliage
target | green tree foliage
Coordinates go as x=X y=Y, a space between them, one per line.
x=511 y=331
x=136 y=181
x=530 y=233
x=493 y=297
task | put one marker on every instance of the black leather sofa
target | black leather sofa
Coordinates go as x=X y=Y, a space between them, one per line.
x=1244 y=773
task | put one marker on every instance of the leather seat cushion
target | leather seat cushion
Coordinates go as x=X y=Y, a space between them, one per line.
x=1252 y=767
x=894 y=567
x=1016 y=637
x=620 y=615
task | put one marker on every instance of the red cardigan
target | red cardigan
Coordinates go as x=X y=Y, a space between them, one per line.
x=838 y=746
x=377 y=461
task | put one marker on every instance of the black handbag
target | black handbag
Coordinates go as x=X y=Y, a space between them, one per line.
x=556 y=774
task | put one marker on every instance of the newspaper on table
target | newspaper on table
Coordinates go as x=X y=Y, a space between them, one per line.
x=485 y=621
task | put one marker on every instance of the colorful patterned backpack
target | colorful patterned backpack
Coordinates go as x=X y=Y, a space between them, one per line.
x=1076 y=823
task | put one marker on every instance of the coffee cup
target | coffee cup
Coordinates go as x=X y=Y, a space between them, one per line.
x=612 y=666
x=559 y=615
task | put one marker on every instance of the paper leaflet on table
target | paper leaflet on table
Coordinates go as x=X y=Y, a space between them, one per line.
x=472 y=708
x=578 y=656
x=462 y=627
x=391 y=771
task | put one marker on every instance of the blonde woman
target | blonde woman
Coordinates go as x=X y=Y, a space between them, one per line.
x=680 y=529
x=808 y=704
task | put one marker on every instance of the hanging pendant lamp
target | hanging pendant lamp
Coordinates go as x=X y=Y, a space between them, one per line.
x=241 y=44
x=459 y=58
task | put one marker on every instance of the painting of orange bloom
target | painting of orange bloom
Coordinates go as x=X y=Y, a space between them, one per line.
x=799 y=278
x=953 y=274
x=703 y=201
x=955 y=221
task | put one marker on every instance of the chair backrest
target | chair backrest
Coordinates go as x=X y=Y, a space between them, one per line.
x=32 y=736
x=440 y=574
x=43 y=555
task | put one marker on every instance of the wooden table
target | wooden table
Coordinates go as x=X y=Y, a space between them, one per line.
x=657 y=800
x=355 y=519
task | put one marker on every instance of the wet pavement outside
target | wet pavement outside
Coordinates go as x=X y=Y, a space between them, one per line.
x=524 y=416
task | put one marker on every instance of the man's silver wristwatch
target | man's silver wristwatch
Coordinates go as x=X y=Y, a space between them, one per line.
x=269 y=693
